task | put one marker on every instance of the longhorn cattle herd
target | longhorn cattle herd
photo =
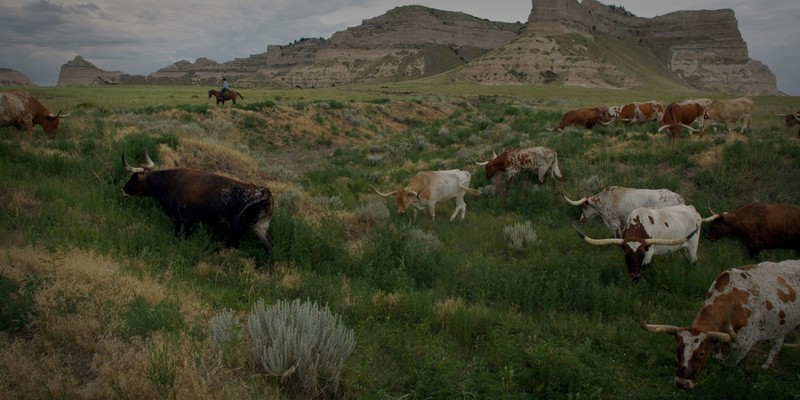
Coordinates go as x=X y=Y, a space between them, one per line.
x=744 y=305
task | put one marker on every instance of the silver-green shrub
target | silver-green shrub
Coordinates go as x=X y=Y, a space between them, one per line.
x=303 y=344
x=520 y=235
x=224 y=328
x=374 y=211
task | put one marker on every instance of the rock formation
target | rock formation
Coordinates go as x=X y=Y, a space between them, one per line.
x=565 y=42
x=10 y=77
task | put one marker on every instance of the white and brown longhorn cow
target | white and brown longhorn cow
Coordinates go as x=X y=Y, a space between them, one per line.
x=22 y=110
x=427 y=188
x=791 y=119
x=744 y=305
x=655 y=231
x=637 y=112
x=614 y=203
x=729 y=112
x=530 y=159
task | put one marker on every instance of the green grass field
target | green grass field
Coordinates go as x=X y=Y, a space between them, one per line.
x=100 y=299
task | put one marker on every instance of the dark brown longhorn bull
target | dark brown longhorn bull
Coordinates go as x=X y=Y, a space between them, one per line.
x=680 y=115
x=229 y=95
x=791 y=120
x=189 y=196
x=760 y=226
x=585 y=117
x=22 y=110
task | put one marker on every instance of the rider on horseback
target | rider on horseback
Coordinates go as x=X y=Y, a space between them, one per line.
x=224 y=88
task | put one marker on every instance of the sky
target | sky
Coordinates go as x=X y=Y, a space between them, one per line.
x=142 y=36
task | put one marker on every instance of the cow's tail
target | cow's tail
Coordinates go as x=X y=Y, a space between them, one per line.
x=555 y=171
x=464 y=185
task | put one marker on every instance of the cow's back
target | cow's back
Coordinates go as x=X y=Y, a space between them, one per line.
x=13 y=107
x=777 y=226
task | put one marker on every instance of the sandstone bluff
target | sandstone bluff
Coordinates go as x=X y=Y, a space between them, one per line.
x=563 y=42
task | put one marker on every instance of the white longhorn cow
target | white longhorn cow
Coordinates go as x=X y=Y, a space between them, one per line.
x=614 y=203
x=427 y=188
x=655 y=231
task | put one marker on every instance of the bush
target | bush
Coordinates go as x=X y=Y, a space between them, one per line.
x=520 y=235
x=372 y=212
x=301 y=343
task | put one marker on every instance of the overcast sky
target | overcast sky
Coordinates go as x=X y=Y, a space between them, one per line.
x=141 y=36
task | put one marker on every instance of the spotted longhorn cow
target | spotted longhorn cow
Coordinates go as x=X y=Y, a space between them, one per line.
x=189 y=196
x=655 y=231
x=744 y=305
x=729 y=111
x=537 y=160
x=791 y=120
x=759 y=226
x=638 y=113
x=614 y=203
x=427 y=188
x=22 y=110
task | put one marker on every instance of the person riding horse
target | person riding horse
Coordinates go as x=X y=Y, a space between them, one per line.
x=224 y=88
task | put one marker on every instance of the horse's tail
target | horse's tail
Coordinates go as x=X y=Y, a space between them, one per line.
x=240 y=95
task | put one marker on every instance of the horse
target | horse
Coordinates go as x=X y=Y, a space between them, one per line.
x=229 y=95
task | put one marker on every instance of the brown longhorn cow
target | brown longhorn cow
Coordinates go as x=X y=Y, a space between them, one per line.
x=759 y=226
x=791 y=119
x=681 y=115
x=585 y=117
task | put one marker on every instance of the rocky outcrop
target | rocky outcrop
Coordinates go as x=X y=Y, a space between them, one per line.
x=565 y=42
x=10 y=77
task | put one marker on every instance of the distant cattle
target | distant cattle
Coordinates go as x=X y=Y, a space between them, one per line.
x=22 y=110
x=759 y=226
x=791 y=120
x=189 y=196
x=729 y=112
x=530 y=159
x=585 y=117
x=655 y=231
x=427 y=188
x=681 y=115
x=614 y=203
x=637 y=113
x=744 y=305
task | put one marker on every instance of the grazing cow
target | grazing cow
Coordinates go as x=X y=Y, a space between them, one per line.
x=744 y=305
x=585 y=117
x=427 y=188
x=22 y=110
x=655 y=231
x=229 y=95
x=638 y=113
x=759 y=226
x=189 y=196
x=681 y=115
x=529 y=159
x=791 y=120
x=729 y=112
x=615 y=203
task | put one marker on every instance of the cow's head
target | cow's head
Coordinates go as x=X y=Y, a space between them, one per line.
x=50 y=122
x=137 y=184
x=588 y=207
x=495 y=165
x=405 y=198
x=636 y=243
x=719 y=226
x=791 y=119
x=692 y=348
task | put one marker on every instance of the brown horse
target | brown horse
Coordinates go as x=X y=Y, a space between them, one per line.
x=229 y=95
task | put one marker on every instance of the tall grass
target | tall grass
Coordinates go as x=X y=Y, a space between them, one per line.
x=444 y=309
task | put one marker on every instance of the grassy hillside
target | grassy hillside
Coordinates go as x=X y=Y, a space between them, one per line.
x=101 y=300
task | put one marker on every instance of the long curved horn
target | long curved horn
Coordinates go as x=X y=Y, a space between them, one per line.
x=383 y=194
x=128 y=166
x=721 y=336
x=481 y=163
x=150 y=163
x=779 y=115
x=797 y=117
x=661 y=328
x=663 y=127
x=690 y=128
x=575 y=202
x=711 y=218
x=59 y=115
x=671 y=242
x=596 y=242
x=609 y=122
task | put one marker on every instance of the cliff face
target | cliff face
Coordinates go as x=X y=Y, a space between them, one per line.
x=565 y=42
x=10 y=77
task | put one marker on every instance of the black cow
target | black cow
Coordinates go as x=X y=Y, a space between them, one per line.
x=189 y=196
